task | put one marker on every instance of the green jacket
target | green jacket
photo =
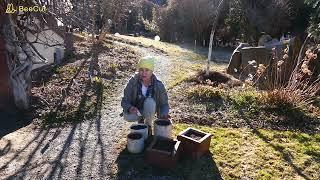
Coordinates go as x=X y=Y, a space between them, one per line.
x=131 y=93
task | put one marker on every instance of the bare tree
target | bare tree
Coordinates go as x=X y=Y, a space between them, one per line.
x=272 y=16
x=200 y=13
x=21 y=53
x=113 y=12
x=213 y=30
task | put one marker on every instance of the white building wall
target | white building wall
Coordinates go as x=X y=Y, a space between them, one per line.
x=47 y=37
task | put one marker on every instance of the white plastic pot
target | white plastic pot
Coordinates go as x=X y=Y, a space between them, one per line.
x=135 y=142
x=140 y=128
x=163 y=128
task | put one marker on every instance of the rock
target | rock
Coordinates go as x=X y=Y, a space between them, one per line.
x=235 y=60
x=264 y=39
x=234 y=63
x=260 y=55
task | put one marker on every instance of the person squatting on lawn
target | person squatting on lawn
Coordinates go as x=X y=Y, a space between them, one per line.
x=145 y=95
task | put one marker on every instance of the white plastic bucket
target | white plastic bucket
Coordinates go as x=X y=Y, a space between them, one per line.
x=140 y=128
x=135 y=142
x=163 y=128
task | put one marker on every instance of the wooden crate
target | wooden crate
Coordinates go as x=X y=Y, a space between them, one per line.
x=192 y=146
x=166 y=157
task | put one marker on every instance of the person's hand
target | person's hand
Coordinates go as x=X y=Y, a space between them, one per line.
x=165 y=117
x=133 y=110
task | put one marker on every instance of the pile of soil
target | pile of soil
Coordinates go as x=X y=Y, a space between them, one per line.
x=138 y=127
x=195 y=135
x=163 y=123
x=134 y=136
x=215 y=78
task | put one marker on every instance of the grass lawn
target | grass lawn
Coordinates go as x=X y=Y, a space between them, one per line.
x=236 y=153
x=260 y=154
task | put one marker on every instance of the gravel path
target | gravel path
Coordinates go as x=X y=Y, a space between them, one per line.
x=83 y=150
x=86 y=150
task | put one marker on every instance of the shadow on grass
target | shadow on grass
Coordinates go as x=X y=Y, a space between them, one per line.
x=58 y=168
x=57 y=118
x=54 y=117
x=134 y=166
x=294 y=119
x=274 y=116
x=286 y=155
x=305 y=139
x=59 y=115
x=45 y=73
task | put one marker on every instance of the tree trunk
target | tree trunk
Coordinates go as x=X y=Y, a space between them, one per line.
x=96 y=43
x=20 y=60
x=5 y=95
x=214 y=26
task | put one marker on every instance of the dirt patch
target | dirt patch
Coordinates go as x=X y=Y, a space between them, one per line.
x=134 y=136
x=164 y=145
x=163 y=123
x=138 y=127
x=225 y=112
x=64 y=93
x=195 y=135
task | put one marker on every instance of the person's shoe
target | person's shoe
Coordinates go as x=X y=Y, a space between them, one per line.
x=141 y=120
x=149 y=130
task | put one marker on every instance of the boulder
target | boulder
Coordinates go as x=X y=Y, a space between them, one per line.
x=235 y=60
x=264 y=39
x=253 y=56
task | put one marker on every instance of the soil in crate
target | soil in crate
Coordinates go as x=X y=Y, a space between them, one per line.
x=195 y=135
x=138 y=127
x=163 y=123
x=164 y=145
x=134 y=136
